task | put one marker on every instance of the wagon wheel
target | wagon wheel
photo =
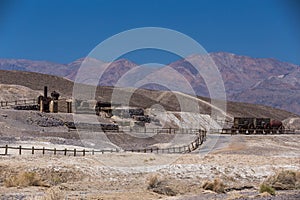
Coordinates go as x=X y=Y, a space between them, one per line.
x=267 y=129
x=251 y=129
x=233 y=130
x=242 y=131
x=281 y=129
x=259 y=131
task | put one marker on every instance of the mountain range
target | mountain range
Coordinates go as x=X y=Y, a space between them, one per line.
x=265 y=81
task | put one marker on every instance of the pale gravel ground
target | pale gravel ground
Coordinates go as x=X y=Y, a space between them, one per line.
x=237 y=160
x=126 y=175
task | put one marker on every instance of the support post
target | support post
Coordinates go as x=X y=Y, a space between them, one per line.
x=6 y=149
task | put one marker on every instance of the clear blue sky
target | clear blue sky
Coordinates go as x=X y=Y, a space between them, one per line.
x=63 y=31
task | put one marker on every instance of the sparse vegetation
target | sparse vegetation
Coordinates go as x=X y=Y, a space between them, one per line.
x=149 y=160
x=160 y=187
x=235 y=195
x=266 y=188
x=217 y=186
x=284 y=180
x=54 y=193
x=24 y=179
x=153 y=182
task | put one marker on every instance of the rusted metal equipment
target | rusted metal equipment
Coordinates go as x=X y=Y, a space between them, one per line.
x=252 y=125
x=48 y=104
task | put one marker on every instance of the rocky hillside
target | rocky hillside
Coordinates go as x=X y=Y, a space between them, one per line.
x=254 y=80
x=141 y=98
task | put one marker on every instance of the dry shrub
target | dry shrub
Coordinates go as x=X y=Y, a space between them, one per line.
x=266 y=188
x=284 y=180
x=23 y=179
x=54 y=193
x=217 y=186
x=264 y=194
x=153 y=182
x=55 y=177
x=160 y=187
x=235 y=195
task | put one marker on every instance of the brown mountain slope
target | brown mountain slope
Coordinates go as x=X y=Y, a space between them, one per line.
x=37 y=81
x=141 y=97
x=241 y=76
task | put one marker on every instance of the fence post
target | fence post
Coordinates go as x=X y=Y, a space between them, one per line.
x=6 y=103
x=74 y=152
x=1 y=103
x=65 y=153
x=32 y=150
x=16 y=102
x=54 y=151
x=6 y=149
x=43 y=150
x=93 y=152
x=83 y=152
x=20 y=150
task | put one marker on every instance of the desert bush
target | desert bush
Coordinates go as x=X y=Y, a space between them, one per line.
x=53 y=193
x=284 y=180
x=160 y=187
x=266 y=188
x=217 y=186
x=23 y=179
x=153 y=182
x=235 y=195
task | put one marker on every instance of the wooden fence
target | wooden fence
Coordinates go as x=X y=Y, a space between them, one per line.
x=33 y=150
x=252 y=131
x=18 y=102
x=124 y=129
x=5 y=150
x=201 y=137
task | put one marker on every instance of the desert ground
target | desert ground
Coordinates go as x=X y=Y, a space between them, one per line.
x=239 y=162
x=224 y=167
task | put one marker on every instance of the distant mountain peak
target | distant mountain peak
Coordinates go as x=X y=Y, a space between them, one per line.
x=254 y=80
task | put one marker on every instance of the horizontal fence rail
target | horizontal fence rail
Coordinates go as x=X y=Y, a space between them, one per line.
x=5 y=150
x=233 y=131
x=122 y=129
x=42 y=150
x=201 y=137
x=20 y=102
